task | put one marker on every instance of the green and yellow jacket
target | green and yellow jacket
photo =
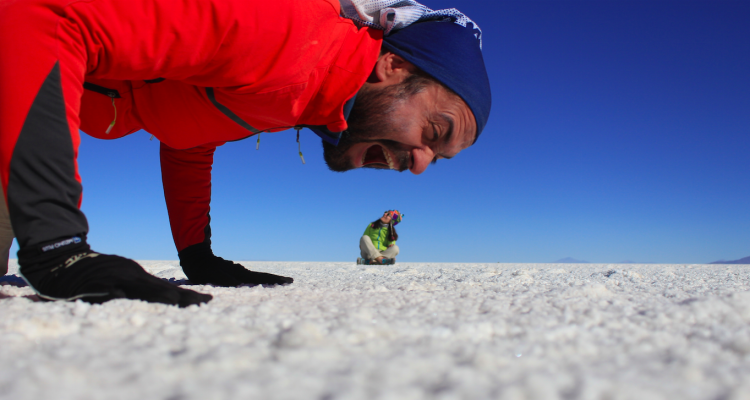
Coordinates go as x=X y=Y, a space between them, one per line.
x=379 y=236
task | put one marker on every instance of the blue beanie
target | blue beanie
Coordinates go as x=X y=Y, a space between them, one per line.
x=451 y=54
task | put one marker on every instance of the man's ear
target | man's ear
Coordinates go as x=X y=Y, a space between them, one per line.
x=390 y=69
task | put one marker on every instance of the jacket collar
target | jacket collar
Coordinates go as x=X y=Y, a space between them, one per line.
x=323 y=131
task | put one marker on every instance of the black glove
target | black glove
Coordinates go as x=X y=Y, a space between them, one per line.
x=202 y=267
x=72 y=271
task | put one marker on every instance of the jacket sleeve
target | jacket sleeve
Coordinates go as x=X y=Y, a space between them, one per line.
x=186 y=176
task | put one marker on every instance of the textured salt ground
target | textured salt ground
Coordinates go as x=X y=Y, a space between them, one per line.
x=409 y=331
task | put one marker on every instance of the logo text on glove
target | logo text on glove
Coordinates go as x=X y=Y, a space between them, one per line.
x=73 y=240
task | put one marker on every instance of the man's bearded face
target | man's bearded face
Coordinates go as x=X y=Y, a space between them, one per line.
x=371 y=121
x=407 y=125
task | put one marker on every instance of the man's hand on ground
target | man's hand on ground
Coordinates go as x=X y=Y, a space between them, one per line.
x=96 y=278
x=202 y=267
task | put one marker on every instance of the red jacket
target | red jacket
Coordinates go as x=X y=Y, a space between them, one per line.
x=225 y=69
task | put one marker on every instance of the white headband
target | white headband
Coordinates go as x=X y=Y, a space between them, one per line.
x=389 y=15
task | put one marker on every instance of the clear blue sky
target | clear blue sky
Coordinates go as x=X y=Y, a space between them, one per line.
x=620 y=130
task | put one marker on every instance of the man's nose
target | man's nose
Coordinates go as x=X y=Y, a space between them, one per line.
x=421 y=159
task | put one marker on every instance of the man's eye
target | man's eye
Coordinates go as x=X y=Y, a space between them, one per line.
x=435 y=133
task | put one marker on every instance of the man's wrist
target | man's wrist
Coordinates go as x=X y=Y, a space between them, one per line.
x=51 y=250
x=196 y=251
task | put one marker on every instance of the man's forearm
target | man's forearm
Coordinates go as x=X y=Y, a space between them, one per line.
x=186 y=176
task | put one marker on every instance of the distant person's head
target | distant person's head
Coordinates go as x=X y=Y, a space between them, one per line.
x=428 y=98
x=386 y=218
x=391 y=218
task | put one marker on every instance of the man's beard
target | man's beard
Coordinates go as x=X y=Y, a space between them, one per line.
x=370 y=118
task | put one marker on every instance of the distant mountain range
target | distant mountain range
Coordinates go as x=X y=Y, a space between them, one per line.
x=745 y=260
x=570 y=260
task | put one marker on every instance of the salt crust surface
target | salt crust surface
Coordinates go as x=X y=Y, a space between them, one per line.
x=409 y=331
